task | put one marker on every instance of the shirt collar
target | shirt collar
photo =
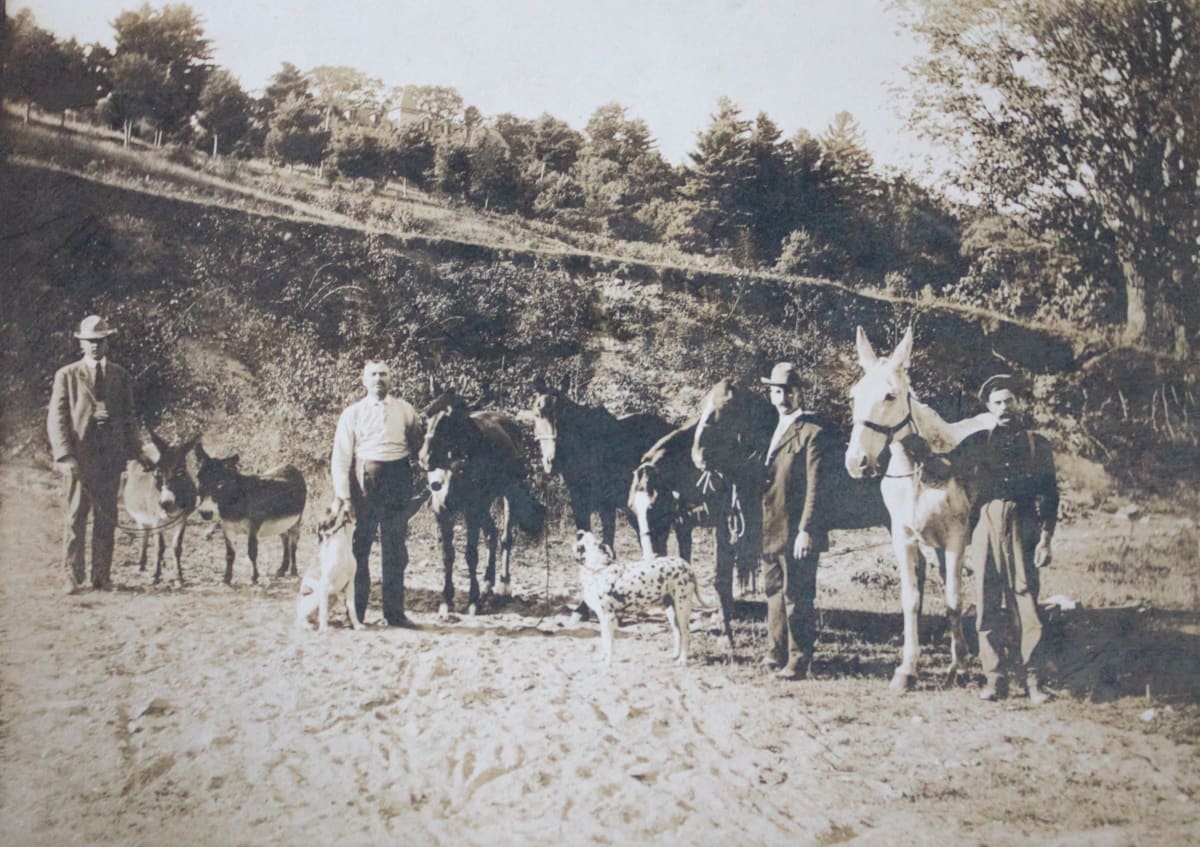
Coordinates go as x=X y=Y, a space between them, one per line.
x=372 y=400
x=91 y=363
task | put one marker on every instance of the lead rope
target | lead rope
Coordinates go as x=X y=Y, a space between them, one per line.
x=135 y=530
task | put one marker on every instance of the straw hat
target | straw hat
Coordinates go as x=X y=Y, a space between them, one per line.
x=94 y=328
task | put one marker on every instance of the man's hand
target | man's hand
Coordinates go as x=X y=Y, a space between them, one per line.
x=1042 y=555
x=803 y=545
x=339 y=505
x=68 y=466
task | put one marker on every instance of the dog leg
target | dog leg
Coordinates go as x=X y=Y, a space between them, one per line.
x=349 y=597
x=323 y=604
x=683 y=634
x=606 y=638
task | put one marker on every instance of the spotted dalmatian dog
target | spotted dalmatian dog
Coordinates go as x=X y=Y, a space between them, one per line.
x=610 y=588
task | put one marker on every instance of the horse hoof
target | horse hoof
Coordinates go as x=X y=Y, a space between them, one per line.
x=504 y=589
x=902 y=682
x=473 y=609
x=443 y=612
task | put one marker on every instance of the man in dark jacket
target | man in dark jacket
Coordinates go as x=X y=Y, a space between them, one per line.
x=1017 y=512
x=93 y=433
x=793 y=533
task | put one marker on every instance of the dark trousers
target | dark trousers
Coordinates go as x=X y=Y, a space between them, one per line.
x=382 y=504
x=791 y=586
x=91 y=491
x=1009 y=621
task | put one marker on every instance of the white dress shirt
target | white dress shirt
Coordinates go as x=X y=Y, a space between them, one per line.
x=371 y=430
x=785 y=421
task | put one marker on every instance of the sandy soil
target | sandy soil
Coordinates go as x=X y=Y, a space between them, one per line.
x=160 y=715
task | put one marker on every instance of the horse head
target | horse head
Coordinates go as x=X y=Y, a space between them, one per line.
x=731 y=421
x=216 y=481
x=176 y=491
x=882 y=405
x=547 y=405
x=449 y=442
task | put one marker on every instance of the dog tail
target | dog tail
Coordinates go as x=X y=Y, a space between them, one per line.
x=526 y=510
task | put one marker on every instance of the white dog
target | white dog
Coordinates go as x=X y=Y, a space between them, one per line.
x=610 y=588
x=333 y=574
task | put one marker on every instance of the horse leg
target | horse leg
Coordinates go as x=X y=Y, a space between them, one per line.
x=683 y=540
x=145 y=550
x=608 y=526
x=290 y=540
x=953 y=562
x=229 y=556
x=490 y=536
x=177 y=550
x=907 y=557
x=252 y=552
x=723 y=583
x=472 y=556
x=506 y=543
x=158 y=559
x=445 y=521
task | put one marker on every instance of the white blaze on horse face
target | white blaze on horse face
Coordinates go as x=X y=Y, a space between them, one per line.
x=547 y=438
x=439 y=487
x=706 y=412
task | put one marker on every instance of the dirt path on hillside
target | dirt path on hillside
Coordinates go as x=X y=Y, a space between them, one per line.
x=153 y=715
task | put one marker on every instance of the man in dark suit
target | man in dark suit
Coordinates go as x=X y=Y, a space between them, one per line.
x=93 y=433
x=793 y=533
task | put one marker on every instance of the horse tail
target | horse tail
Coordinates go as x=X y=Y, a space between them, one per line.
x=526 y=510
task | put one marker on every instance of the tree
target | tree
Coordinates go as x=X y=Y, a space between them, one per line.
x=720 y=175
x=30 y=56
x=412 y=153
x=442 y=104
x=172 y=39
x=224 y=109
x=296 y=136
x=1081 y=115
x=288 y=81
x=137 y=90
x=360 y=153
x=344 y=91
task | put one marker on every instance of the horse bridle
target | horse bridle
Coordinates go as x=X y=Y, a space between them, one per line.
x=891 y=431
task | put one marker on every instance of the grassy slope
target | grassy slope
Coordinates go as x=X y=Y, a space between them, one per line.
x=247 y=313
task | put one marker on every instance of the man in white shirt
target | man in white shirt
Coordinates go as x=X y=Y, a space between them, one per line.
x=375 y=440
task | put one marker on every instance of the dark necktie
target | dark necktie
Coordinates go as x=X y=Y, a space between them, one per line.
x=99 y=389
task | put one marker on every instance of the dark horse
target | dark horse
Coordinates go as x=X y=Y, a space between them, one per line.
x=472 y=460
x=730 y=441
x=667 y=491
x=594 y=450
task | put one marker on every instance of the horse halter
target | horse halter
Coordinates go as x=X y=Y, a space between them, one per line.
x=891 y=431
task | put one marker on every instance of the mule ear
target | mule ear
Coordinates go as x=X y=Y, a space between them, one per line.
x=539 y=384
x=904 y=350
x=866 y=353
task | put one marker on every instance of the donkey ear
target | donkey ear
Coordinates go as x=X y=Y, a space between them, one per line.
x=564 y=384
x=539 y=384
x=866 y=353
x=904 y=350
x=232 y=461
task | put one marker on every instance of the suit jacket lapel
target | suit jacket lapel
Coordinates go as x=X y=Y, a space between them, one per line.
x=788 y=436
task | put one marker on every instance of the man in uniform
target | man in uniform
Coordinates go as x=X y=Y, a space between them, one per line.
x=793 y=533
x=93 y=433
x=377 y=437
x=1017 y=509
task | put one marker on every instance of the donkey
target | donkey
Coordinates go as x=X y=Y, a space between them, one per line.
x=884 y=410
x=253 y=506
x=160 y=499
x=733 y=431
x=594 y=451
x=472 y=460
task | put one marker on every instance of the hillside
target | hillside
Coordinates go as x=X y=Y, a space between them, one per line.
x=246 y=315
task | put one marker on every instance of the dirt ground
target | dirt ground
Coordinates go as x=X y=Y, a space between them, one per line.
x=201 y=715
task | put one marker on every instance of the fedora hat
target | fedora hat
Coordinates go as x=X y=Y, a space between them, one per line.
x=783 y=374
x=998 y=382
x=93 y=328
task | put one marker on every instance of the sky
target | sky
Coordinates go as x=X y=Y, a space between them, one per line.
x=668 y=61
